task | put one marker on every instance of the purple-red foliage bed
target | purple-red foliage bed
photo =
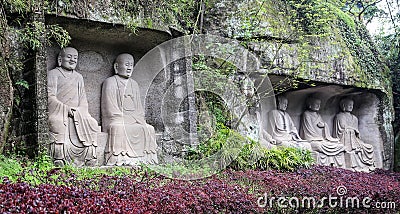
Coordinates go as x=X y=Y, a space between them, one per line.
x=228 y=192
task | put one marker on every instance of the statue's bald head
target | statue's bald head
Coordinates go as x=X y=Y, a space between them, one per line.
x=313 y=103
x=346 y=104
x=282 y=102
x=123 y=65
x=312 y=100
x=68 y=50
x=68 y=58
x=124 y=57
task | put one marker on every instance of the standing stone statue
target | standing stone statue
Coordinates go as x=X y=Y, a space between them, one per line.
x=315 y=130
x=73 y=130
x=280 y=127
x=360 y=156
x=130 y=138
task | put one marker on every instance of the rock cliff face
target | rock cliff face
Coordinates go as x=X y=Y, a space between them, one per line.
x=161 y=15
x=314 y=49
x=6 y=93
x=303 y=49
x=340 y=51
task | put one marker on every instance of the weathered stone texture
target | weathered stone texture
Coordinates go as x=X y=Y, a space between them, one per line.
x=101 y=30
x=346 y=57
x=40 y=86
x=6 y=89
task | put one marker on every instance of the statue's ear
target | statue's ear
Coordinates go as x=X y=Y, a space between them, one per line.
x=59 y=60
x=116 y=68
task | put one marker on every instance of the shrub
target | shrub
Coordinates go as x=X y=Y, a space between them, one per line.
x=146 y=193
x=254 y=156
x=142 y=191
x=244 y=154
x=42 y=171
x=9 y=167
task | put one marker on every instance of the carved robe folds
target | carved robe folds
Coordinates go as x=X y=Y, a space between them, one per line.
x=360 y=155
x=75 y=136
x=314 y=129
x=130 y=138
x=281 y=129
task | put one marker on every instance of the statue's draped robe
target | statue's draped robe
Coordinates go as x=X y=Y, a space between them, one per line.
x=75 y=138
x=329 y=151
x=123 y=119
x=280 y=127
x=346 y=129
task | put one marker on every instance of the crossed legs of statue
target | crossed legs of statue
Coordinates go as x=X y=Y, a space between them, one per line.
x=66 y=146
x=129 y=144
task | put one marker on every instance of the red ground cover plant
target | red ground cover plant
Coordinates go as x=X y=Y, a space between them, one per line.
x=228 y=192
x=151 y=194
x=380 y=188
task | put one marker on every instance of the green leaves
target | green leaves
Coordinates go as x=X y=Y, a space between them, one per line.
x=42 y=171
x=255 y=156
x=58 y=34
x=314 y=16
x=30 y=35
x=9 y=167
x=19 y=6
x=23 y=83
x=252 y=155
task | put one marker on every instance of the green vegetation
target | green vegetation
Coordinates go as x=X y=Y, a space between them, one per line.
x=252 y=155
x=23 y=38
x=314 y=17
x=298 y=27
x=42 y=171
x=10 y=167
x=256 y=157
x=220 y=144
x=388 y=43
x=204 y=161
x=156 y=14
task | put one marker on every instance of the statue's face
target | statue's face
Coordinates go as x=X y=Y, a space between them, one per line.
x=68 y=58
x=247 y=87
x=248 y=91
x=348 y=106
x=315 y=105
x=282 y=104
x=124 y=66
